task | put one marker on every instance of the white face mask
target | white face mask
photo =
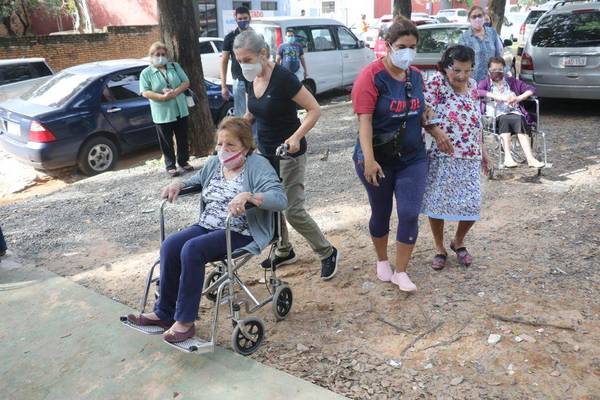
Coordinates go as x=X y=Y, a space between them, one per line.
x=159 y=61
x=402 y=58
x=251 y=71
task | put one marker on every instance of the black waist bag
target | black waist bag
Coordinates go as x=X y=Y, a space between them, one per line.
x=388 y=149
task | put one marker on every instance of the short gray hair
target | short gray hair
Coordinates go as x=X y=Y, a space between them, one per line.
x=250 y=40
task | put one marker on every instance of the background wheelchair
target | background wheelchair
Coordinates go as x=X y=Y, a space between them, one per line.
x=494 y=142
x=222 y=285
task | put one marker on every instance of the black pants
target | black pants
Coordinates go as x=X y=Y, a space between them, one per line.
x=2 y=242
x=165 y=132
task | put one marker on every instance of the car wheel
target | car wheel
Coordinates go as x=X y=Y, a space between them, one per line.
x=226 y=111
x=97 y=155
x=310 y=86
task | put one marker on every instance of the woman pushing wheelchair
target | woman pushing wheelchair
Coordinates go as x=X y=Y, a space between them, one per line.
x=230 y=181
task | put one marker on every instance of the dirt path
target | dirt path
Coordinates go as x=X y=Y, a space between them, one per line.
x=536 y=252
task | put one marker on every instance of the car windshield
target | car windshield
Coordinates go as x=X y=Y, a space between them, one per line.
x=58 y=90
x=533 y=16
x=580 y=29
x=437 y=40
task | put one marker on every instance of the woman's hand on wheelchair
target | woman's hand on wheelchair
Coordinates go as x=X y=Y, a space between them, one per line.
x=237 y=206
x=171 y=191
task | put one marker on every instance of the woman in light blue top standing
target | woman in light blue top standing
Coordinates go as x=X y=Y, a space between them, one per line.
x=483 y=40
x=164 y=84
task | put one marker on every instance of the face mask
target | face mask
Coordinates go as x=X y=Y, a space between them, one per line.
x=243 y=25
x=402 y=58
x=231 y=160
x=477 y=23
x=291 y=39
x=496 y=76
x=251 y=71
x=159 y=61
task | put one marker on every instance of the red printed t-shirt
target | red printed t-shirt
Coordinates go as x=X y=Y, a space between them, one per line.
x=376 y=92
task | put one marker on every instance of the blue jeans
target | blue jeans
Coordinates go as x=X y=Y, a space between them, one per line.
x=239 y=97
x=183 y=256
x=407 y=183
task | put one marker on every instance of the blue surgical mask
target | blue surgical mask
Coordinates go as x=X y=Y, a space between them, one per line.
x=243 y=25
x=159 y=61
x=290 y=39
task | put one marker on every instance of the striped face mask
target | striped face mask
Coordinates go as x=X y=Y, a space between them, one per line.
x=231 y=160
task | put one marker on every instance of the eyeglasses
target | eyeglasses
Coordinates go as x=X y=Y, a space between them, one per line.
x=460 y=71
x=476 y=16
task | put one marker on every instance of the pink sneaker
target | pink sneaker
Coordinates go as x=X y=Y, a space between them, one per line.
x=403 y=281
x=384 y=271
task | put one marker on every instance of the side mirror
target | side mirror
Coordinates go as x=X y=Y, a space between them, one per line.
x=361 y=44
x=508 y=42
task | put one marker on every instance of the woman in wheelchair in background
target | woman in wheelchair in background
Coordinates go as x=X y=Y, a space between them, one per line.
x=231 y=180
x=511 y=117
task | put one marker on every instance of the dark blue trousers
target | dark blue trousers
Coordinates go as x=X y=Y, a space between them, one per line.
x=407 y=183
x=183 y=256
x=2 y=242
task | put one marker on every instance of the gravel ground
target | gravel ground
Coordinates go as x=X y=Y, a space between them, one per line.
x=536 y=264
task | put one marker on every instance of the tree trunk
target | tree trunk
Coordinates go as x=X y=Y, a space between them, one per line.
x=83 y=16
x=402 y=7
x=23 y=16
x=179 y=32
x=496 y=11
x=7 y=21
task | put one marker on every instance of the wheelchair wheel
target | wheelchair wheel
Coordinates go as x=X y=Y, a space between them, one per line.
x=246 y=343
x=282 y=302
x=210 y=279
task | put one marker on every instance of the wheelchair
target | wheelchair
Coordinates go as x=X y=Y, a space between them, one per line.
x=494 y=142
x=222 y=285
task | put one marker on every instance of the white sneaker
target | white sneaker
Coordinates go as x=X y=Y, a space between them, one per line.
x=384 y=271
x=403 y=281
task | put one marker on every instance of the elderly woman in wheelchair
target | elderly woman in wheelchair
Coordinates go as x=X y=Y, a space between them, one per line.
x=235 y=183
x=502 y=104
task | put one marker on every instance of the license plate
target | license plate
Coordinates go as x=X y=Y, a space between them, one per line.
x=13 y=129
x=575 y=61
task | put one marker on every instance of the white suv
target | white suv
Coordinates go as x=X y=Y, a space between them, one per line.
x=19 y=75
x=454 y=15
x=334 y=56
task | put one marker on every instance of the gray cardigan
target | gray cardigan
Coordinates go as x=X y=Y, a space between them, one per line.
x=259 y=177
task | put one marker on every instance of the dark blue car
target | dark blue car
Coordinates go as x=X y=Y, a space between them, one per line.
x=87 y=116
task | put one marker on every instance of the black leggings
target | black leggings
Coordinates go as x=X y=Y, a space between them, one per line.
x=165 y=132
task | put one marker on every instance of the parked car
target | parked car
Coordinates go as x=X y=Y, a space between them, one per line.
x=21 y=74
x=334 y=55
x=530 y=20
x=380 y=48
x=454 y=14
x=435 y=39
x=562 y=56
x=210 y=53
x=86 y=115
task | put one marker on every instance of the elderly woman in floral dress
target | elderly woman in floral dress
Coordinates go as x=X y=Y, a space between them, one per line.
x=453 y=191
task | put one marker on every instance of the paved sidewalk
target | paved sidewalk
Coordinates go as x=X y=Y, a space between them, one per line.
x=59 y=340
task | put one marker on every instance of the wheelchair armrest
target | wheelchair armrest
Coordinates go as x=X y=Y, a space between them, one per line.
x=190 y=190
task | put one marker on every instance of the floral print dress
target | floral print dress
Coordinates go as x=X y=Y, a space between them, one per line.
x=453 y=189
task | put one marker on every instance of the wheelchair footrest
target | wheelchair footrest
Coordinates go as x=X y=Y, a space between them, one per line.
x=193 y=345
x=147 y=329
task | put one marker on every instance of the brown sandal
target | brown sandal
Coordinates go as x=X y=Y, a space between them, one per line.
x=145 y=321
x=172 y=336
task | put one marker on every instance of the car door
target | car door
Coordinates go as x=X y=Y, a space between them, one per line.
x=323 y=59
x=126 y=110
x=353 y=55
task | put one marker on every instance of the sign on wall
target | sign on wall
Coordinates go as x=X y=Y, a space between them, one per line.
x=229 y=23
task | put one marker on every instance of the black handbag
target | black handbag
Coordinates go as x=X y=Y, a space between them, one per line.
x=387 y=148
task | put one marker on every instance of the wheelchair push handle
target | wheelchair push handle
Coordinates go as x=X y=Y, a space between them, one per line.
x=283 y=152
